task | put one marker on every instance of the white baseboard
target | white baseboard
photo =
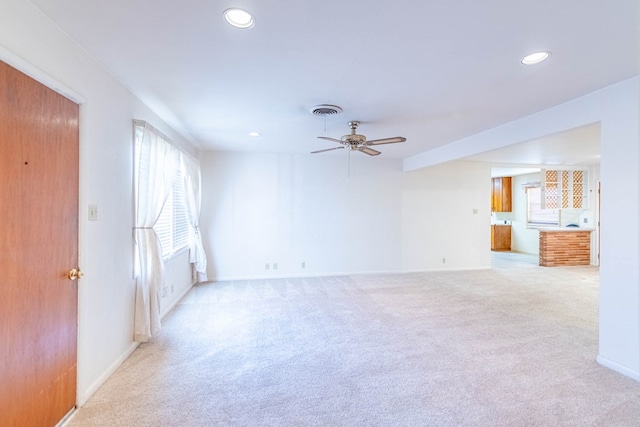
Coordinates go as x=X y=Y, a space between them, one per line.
x=65 y=420
x=83 y=395
x=175 y=302
x=337 y=273
x=618 y=368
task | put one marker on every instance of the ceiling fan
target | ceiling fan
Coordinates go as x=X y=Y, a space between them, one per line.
x=357 y=142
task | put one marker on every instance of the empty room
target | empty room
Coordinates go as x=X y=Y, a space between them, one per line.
x=334 y=213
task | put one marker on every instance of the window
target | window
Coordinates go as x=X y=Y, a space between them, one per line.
x=535 y=213
x=172 y=226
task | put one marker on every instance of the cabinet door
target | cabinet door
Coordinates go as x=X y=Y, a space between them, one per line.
x=505 y=196
x=496 y=190
x=500 y=237
x=564 y=189
x=495 y=238
x=501 y=194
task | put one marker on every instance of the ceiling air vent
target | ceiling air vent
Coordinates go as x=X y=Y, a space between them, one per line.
x=325 y=110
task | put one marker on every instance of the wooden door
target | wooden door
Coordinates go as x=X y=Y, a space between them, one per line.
x=38 y=247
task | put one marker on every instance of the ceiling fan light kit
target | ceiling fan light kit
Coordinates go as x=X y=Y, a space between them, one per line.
x=357 y=142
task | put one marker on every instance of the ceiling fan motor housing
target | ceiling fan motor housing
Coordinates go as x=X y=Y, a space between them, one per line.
x=354 y=139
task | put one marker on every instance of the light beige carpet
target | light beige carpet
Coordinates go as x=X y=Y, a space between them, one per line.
x=512 y=346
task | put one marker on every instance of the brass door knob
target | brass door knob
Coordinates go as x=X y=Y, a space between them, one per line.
x=75 y=274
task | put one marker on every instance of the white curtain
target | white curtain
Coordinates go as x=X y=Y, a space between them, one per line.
x=157 y=162
x=192 y=193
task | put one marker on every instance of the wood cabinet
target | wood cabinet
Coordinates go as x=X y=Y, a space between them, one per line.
x=501 y=194
x=500 y=237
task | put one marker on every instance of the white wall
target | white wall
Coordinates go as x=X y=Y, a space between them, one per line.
x=523 y=239
x=178 y=278
x=289 y=209
x=438 y=206
x=620 y=231
x=31 y=42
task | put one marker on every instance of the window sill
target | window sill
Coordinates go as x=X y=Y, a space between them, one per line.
x=175 y=254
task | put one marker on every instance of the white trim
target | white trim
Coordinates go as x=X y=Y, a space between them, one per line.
x=335 y=274
x=177 y=143
x=176 y=254
x=635 y=375
x=177 y=300
x=82 y=396
x=37 y=74
x=67 y=417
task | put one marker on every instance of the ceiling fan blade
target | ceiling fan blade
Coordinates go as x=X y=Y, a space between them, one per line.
x=327 y=149
x=369 y=151
x=386 y=140
x=331 y=139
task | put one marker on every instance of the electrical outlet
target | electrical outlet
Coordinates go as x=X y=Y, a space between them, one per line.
x=267 y=266
x=93 y=212
x=475 y=211
x=303 y=264
x=444 y=260
x=275 y=265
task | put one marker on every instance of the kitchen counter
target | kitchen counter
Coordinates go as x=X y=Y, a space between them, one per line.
x=552 y=229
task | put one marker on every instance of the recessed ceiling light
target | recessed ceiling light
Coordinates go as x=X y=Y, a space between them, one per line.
x=254 y=134
x=239 y=18
x=535 y=58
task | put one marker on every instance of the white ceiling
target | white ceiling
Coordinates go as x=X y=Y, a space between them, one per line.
x=431 y=71
x=575 y=148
